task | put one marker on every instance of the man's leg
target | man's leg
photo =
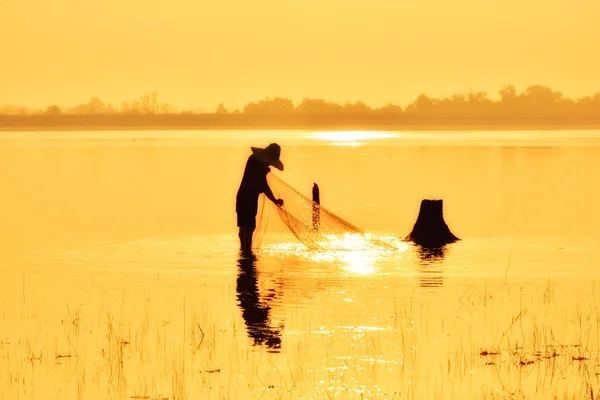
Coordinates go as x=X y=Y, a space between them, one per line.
x=247 y=247
x=247 y=225
x=245 y=235
x=242 y=223
x=241 y=236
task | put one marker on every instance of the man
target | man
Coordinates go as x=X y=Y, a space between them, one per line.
x=254 y=182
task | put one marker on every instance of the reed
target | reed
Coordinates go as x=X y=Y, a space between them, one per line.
x=486 y=344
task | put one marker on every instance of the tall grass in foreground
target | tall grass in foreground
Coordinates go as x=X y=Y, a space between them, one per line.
x=491 y=343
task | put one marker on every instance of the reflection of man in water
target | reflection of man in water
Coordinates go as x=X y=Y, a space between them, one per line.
x=255 y=314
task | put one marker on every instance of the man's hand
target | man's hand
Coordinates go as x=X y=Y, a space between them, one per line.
x=279 y=202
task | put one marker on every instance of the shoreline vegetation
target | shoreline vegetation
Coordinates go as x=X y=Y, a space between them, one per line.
x=211 y=122
x=538 y=107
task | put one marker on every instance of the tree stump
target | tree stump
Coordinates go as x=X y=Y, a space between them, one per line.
x=430 y=230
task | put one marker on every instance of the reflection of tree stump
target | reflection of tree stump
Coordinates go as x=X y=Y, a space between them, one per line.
x=316 y=207
x=431 y=230
x=431 y=278
x=429 y=255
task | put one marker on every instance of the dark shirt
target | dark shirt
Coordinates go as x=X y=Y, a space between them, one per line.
x=254 y=182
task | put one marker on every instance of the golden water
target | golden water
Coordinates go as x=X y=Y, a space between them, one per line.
x=121 y=278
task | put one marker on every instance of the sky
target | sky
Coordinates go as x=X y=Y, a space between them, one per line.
x=198 y=53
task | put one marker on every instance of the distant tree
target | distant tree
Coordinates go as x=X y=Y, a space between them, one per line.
x=148 y=103
x=221 y=109
x=542 y=94
x=53 y=110
x=479 y=98
x=129 y=108
x=589 y=104
x=166 y=108
x=277 y=105
x=422 y=105
x=318 y=106
x=539 y=99
x=508 y=94
x=509 y=102
x=479 y=103
x=15 y=110
x=94 y=106
x=389 y=109
x=457 y=104
x=357 y=108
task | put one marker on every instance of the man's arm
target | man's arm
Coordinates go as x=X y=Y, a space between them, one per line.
x=271 y=197
x=269 y=194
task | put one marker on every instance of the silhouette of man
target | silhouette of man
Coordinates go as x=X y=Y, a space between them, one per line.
x=254 y=182
x=255 y=314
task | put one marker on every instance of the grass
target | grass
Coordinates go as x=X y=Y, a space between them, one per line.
x=482 y=342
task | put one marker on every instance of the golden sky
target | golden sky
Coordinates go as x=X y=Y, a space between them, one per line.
x=197 y=53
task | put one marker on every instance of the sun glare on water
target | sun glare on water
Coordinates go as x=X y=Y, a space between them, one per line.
x=356 y=254
x=351 y=138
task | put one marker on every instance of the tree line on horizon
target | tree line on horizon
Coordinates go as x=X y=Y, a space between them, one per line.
x=536 y=99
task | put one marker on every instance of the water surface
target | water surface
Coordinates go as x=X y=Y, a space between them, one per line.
x=122 y=279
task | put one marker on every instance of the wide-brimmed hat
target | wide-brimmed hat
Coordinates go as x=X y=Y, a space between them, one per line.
x=269 y=155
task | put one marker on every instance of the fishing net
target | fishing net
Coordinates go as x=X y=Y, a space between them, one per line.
x=312 y=224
